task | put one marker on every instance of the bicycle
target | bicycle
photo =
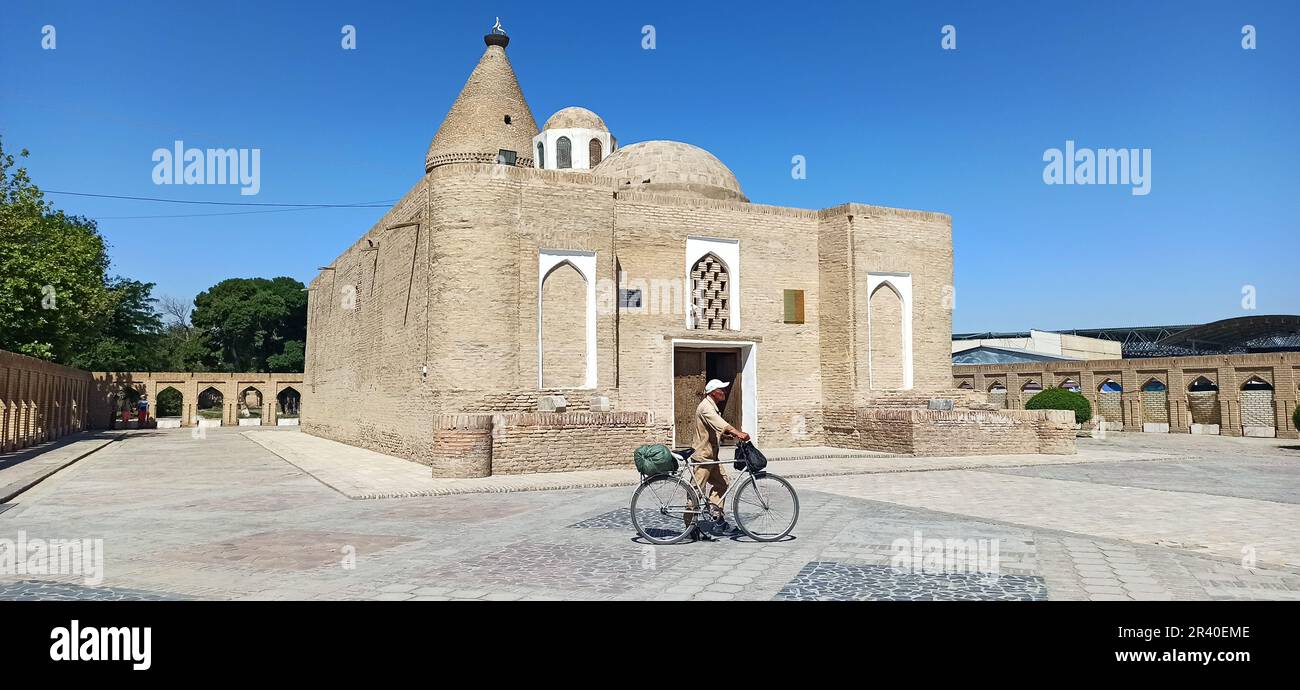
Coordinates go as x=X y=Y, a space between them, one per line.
x=666 y=508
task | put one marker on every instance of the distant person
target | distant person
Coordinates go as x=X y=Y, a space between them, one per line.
x=142 y=409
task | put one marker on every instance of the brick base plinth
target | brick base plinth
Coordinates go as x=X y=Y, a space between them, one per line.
x=479 y=445
x=959 y=432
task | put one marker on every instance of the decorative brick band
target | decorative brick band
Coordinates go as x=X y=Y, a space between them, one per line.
x=489 y=158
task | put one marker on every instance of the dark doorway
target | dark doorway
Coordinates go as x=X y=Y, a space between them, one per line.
x=692 y=368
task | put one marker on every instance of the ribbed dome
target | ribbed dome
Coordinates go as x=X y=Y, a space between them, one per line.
x=489 y=115
x=574 y=117
x=671 y=167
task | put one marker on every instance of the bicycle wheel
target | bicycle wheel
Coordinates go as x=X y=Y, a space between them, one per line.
x=660 y=508
x=765 y=507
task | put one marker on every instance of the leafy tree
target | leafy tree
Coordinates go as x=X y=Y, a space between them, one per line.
x=293 y=358
x=251 y=324
x=180 y=347
x=129 y=337
x=53 y=293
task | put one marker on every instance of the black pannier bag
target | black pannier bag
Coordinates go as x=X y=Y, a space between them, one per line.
x=749 y=456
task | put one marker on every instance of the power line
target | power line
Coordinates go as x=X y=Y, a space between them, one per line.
x=363 y=204
x=229 y=213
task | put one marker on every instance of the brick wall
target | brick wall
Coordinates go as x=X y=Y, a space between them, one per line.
x=1257 y=408
x=961 y=432
x=1155 y=407
x=1108 y=405
x=514 y=443
x=39 y=401
x=1203 y=406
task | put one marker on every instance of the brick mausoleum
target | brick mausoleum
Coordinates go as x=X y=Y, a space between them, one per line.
x=544 y=300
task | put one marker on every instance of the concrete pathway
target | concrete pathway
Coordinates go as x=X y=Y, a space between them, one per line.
x=21 y=470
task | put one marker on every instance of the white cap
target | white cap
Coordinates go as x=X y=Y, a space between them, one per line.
x=714 y=385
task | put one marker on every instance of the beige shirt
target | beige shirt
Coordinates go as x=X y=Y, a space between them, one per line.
x=709 y=425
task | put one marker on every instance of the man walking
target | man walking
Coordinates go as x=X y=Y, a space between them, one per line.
x=709 y=427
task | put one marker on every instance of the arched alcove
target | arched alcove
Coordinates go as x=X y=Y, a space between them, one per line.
x=886 y=317
x=564 y=327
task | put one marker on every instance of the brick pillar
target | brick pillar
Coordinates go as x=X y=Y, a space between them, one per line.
x=1131 y=400
x=1285 y=395
x=230 y=401
x=1180 y=419
x=1229 y=402
x=6 y=414
x=1013 y=392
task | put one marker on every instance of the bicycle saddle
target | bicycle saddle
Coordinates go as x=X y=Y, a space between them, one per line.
x=682 y=453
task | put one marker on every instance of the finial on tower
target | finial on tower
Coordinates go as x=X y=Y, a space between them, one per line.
x=497 y=37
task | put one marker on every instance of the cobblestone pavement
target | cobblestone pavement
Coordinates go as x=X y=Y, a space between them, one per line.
x=222 y=517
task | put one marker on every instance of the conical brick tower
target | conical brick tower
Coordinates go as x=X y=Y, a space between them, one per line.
x=490 y=116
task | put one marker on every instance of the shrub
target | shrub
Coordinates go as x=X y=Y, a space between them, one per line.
x=1061 y=399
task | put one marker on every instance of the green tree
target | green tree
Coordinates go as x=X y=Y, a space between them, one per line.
x=130 y=336
x=53 y=293
x=253 y=324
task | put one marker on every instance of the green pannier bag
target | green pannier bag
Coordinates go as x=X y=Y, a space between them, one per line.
x=655 y=458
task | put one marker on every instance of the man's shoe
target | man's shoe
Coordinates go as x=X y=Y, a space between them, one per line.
x=722 y=529
x=700 y=535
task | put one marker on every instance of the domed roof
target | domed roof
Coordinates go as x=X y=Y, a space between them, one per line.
x=574 y=117
x=671 y=167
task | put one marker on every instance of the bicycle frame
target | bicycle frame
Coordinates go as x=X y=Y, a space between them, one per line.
x=732 y=486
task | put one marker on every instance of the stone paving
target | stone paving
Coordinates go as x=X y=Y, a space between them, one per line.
x=1131 y=517
x=46 y=590
x=365 y=474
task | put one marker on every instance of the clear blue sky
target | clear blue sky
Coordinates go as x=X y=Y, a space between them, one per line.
x=862 y=89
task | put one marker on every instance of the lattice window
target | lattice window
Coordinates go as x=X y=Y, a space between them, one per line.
x=593 y=153
x=541 y=155
x=710 y=294
x=563 y=153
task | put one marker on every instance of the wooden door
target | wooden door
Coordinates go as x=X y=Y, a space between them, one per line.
x=688 y=390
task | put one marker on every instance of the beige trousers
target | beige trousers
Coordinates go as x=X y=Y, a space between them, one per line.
x=713 y=479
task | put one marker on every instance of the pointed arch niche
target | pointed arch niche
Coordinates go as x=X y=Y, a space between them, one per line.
x=558 y=261
x=892 y=330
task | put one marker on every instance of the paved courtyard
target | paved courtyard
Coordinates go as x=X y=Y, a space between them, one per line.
x=1133 y=516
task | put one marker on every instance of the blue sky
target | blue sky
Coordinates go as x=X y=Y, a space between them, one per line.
x=863 y=90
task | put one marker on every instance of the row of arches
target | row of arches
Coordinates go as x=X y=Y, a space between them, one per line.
x=1255 y=401
x=169 y=405
x=1200 y=384
x=564 y=153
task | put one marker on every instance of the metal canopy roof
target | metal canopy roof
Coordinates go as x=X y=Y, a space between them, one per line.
x=1264 y=333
